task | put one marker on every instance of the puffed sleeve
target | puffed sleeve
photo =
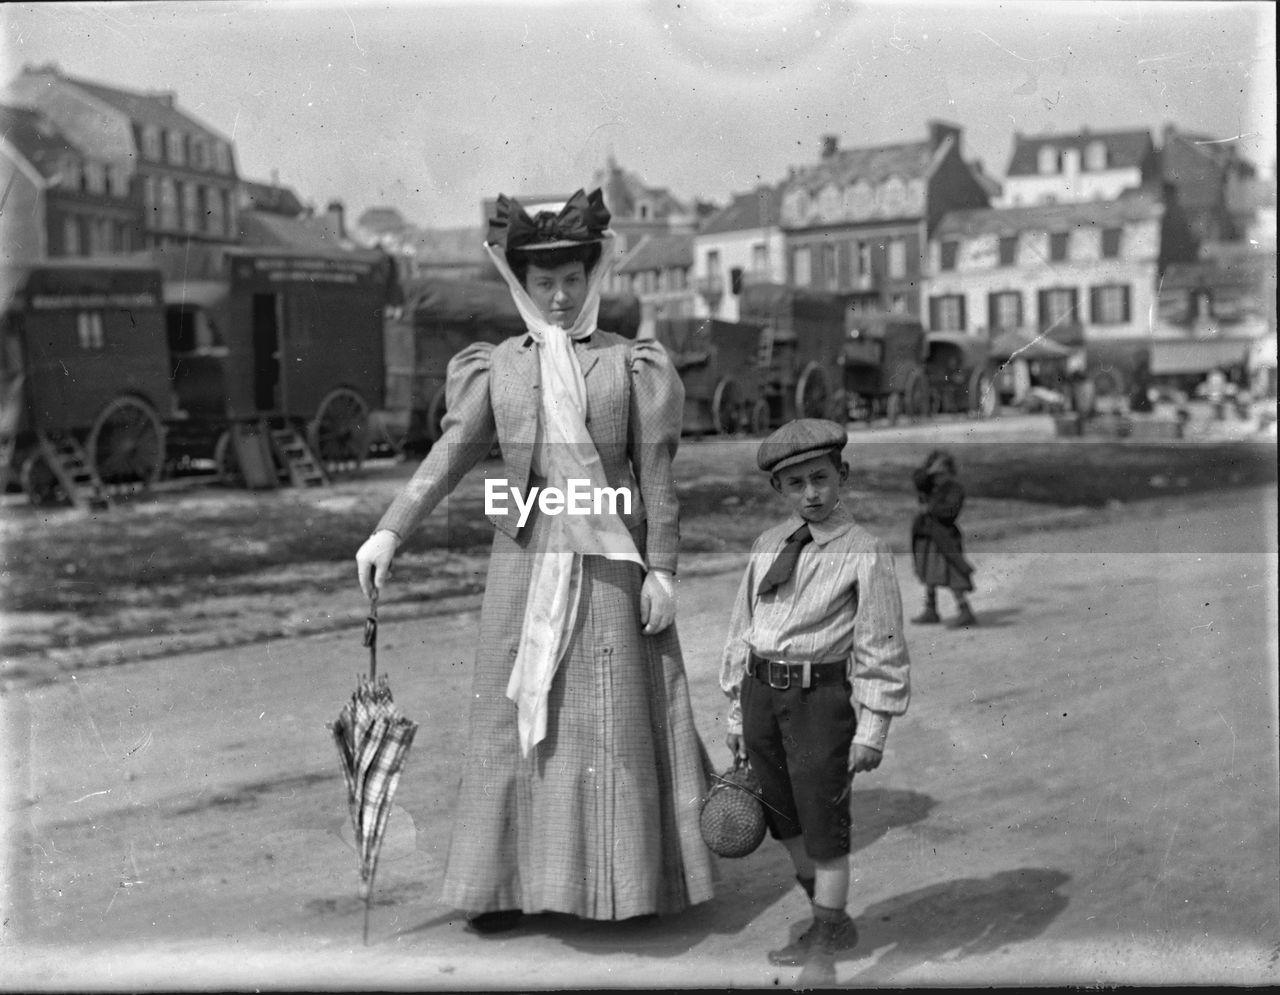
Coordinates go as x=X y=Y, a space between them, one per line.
x=467 y=437
x=653 y=434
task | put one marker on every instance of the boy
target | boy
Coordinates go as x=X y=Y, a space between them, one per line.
x=815 y=665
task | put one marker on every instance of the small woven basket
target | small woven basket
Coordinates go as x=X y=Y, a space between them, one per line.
x=732 y=818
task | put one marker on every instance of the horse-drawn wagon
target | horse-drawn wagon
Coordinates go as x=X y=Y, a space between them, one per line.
x=960 y=375
x=883 y=362
x=718 y=363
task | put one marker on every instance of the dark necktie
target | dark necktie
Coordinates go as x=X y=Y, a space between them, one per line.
x=781 y=569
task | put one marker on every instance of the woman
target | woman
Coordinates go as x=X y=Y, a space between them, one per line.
x=937 y=545
x=583 y=771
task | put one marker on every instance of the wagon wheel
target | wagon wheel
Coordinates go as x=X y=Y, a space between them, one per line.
x=339 y=433
x=126 y=443
x=812 y=393
x=915 y=395
x=760 y=418
x=893 y=407
x=726 y=407
x=40 y=483
x=983 y=399
x=227 y=462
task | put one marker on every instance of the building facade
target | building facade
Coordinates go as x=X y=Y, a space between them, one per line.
x=658 y=270
x=858 y=221
x=63 y=200
x=740 y=244
x=1078 y=167
x=181 y=172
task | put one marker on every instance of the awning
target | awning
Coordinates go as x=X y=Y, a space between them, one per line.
x=1197 y=355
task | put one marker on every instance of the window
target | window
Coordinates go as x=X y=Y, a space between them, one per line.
x=213 y=219
x=95 y=177
x=149 y=205
x=168 y=204
x=829 y=267
x=1109 y=305
x=863 y=250
x=1201 y=305
x=1095 y=156
x=1110 y=243
x=898 y=304
x=70 y=237
x=1047 y=159
x=897 y=258
x=151 y=143
x=72 y=175
x=222 y=158
x=190 y=207
x=760 y=257
x=175 y=148
x=89 y=329
x=1004 y=310
x=950 y=249
x=117 y=181
x=713 y=262
x=946 y=313
x=199 y=158
x=801 y=267
x=1058 y=246
x=1009 y=250
x=1057 y=307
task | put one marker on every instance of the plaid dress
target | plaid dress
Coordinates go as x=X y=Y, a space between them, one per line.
x=601 y=820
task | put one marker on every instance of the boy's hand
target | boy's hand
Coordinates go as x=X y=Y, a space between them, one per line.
x=864 y=758
x=736 y=746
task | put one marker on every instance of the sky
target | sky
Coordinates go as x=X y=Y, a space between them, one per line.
x=430 y=107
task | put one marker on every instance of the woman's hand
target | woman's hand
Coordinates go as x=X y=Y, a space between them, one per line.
x=657 y=601
x=737 y=746
x=373 y=560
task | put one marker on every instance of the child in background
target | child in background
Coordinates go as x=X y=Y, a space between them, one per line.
x=937 y=546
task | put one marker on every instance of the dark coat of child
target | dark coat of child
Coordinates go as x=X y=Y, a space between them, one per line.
x=937 y=545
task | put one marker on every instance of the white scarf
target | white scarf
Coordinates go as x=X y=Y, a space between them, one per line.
x=555 y=585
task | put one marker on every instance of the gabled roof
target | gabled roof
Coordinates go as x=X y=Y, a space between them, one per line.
x=623 y=190
x=659 y=252
x=36 y=138
x=1138 y=206
x=758 y=209
x=908 y=160
x=1125 y=149
x=157 y=109
x=272 y=197
x=260 y=229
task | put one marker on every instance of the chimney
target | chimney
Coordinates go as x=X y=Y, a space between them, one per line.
x=940 y=131
x=830 y=145
x=335 y=217
x=165 y=97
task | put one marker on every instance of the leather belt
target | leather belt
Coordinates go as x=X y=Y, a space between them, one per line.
x=782 y=676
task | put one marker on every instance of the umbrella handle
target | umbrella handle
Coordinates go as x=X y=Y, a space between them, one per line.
x=371 y=634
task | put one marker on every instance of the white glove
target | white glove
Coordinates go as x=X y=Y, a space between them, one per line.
x=373 y=560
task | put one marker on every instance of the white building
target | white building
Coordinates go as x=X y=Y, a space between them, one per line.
x=740 y=244
x=1072 y=168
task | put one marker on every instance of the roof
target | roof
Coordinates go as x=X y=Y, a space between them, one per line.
x=1242 y=270
x=36 y=138
x=1048 y=217
x=659 y=252
x=623 y=190
x=907 y=161
x=448 y=246
x=272 y=197
x=1125 y=149
x=157 y=108
x=758 y=209
x=261 y=229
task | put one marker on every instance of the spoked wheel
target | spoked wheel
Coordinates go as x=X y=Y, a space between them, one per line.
x=812 y=393
x=726 y=407
x=227 y=462
x=915 y=395
x=983 y=399
x=339 y=433
x=126 y=444
x=40 y=483
x=760 y=417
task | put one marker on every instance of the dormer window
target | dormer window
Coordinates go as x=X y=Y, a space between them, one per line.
x=151 y=143
x=1048 y=159
x=175 y=148
x=1095 y=156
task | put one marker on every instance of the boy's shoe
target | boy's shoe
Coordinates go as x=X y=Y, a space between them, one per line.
x=966 y=619
x=929 y=616
x=824 y=936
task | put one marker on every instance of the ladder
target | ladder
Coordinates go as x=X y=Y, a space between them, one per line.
x=292 y=450
x=71 y=466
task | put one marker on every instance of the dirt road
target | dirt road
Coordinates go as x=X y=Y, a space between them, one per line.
x=1084 y=791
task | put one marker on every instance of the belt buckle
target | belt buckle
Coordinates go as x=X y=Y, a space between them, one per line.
x=785 y=670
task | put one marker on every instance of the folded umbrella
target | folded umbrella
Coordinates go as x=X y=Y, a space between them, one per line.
x=373 y=740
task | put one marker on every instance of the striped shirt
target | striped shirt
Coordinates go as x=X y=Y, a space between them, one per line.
x=841 y=603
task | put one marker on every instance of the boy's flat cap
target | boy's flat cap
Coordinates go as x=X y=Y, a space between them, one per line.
x=799 y=440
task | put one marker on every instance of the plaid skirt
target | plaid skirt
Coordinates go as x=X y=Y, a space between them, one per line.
x=601 y=820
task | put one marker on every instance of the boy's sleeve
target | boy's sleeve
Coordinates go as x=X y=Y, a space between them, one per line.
x=881 y=666
x=733 y=661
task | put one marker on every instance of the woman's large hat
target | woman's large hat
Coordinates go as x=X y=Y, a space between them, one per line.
x=581 y=220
